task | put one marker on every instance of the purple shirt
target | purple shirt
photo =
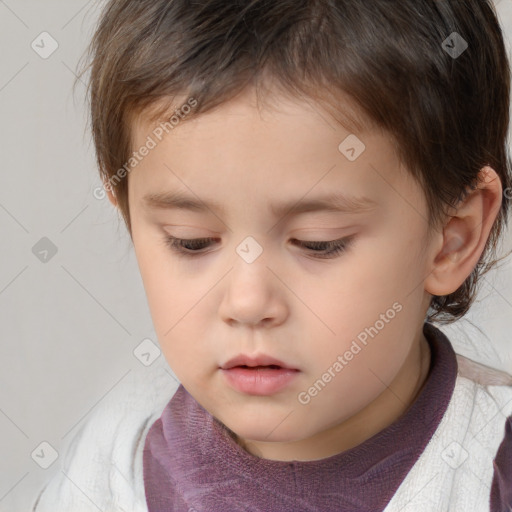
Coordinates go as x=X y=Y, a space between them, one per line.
x=193 y=464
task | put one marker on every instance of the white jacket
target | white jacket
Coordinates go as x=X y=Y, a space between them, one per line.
x=102 y=468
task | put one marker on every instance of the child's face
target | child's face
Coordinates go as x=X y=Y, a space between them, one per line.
x=288 y=303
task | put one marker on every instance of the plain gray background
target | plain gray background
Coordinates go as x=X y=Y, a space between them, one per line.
x=71 y=320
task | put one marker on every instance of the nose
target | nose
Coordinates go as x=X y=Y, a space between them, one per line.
x=253 y=296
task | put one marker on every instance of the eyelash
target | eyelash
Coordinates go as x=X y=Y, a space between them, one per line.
x=333 y=248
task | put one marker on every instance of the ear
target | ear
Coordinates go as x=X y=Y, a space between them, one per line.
x=110 y=193
x=464 y=235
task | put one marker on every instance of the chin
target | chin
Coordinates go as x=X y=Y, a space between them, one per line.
x=265 y=431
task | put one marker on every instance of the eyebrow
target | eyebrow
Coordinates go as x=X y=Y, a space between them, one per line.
x=332 y=202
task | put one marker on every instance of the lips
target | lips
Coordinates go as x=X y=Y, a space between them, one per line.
x=260 y=361
x=258 y=375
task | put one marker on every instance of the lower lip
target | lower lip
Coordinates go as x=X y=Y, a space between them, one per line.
x=263 y=381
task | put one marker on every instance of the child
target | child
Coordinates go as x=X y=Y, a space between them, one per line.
x=308 y=186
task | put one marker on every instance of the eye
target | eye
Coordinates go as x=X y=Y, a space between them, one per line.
x=194 y=246
x=187 y=247
x=325 y=250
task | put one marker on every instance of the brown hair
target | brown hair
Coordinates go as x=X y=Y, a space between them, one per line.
x=447 y=115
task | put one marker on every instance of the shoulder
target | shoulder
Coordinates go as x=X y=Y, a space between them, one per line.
x=101 y=466
x=490 y=433
x=488 y=392
x=467 y=460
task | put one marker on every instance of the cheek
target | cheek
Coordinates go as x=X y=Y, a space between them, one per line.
x=362 y=287
x=366 y=305
x=167 y=295
x=177 y=311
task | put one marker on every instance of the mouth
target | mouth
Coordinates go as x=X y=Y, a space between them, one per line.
x=259 y=367
x=260 y=375
x=258 y=362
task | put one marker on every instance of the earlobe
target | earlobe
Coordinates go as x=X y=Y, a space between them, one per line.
x=465 y=235
x=110 y=194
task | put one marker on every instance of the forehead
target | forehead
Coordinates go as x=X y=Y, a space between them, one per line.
x=334 y=109
x=278 y=147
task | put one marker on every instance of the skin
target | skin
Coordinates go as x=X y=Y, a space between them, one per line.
x=300 y=309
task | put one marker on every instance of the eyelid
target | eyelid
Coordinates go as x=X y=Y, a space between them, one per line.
x=334 y=247
x=332 y=250
x=174 y=243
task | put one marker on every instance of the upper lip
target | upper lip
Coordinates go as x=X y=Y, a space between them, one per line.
x=258 y=360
